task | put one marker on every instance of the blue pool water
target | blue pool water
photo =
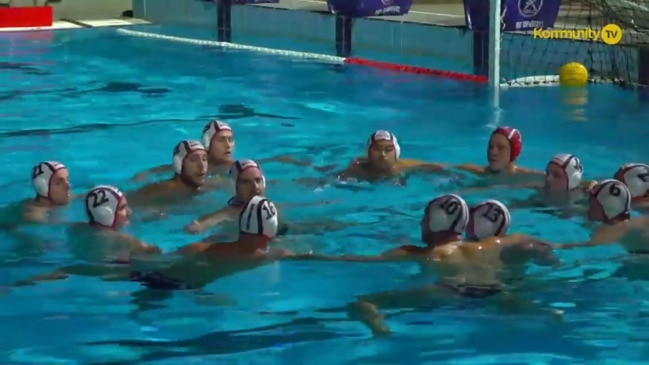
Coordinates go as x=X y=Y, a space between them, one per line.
x=110 y=106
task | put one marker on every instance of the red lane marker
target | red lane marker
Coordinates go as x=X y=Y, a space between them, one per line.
x=416 y=70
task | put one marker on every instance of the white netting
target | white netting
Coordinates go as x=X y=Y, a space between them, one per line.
x=277 y=52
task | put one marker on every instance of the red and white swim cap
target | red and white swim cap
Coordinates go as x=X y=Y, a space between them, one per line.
x=211 y=129
x=613 y=196
x=259 y=217
x=101 y=205
x=240 y=166
x=182 y=150
x=382 y=135
x=42 y=176
x=515 y=139
x=572 y=168
x=447 y=213
x=636 y=177
x=488 y=218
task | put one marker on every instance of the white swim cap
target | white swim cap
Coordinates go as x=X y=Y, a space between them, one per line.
x=213 y=128
x=572 y=167
x=240 y=166
x=488 y=218
x=447 y=213
x=385 y=136
x=181 y=151
x=636 y=177
x=259 y=217
x=101 y=204
x=614 y=197
x=42 y=176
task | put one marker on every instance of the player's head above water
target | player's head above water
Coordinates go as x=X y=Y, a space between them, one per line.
x=106 y=206
x=190 y=162
x=259 y=218
x=609 y=202
x=505 y=145
x=563 y=173
x=51 y=182
x=383 y=149
x=447 y=215
x=636 y=177
x=248 y=178
x=218 y=139
x=486 y=219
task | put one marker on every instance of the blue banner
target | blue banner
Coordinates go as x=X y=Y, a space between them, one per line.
x=516 y=14
x=365 y=8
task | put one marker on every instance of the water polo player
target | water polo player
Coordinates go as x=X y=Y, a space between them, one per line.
x=383 y=161
x=248 y=180
x=636 y=177
x=445 y=220
x=489 y=218
x=504 y=149
x=563 y=186
x=466 y=269
x=104 y=249
x=610 y=203
x=218 y=139
x=51 y=182
x=190 y=170
x=203 y=262
x=488 y=224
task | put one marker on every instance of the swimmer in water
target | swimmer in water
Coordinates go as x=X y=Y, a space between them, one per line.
x=249 y=181
x=489 y=218
x=204 y=262
x=466 y=269
x=445 y=219
x=190 y=170
x=610 y=204
x=218 y=139
x=636 y=177
x=383 y=161
x=489 y=222
x=51 y=182
x=504 y=148
x=100 y=243
x=563 y=187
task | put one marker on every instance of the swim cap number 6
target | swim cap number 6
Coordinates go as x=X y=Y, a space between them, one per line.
x=450 y=206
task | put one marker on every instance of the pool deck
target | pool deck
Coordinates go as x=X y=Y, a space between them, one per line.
x=434 y=12
x=77 y=24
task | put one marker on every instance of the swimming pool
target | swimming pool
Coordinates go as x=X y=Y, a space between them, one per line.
x=110 y=106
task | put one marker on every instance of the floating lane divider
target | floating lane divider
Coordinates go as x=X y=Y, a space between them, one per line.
x=311 y=56
x=271 y=51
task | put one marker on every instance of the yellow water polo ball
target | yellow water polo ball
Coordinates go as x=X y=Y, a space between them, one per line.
x=573 y=74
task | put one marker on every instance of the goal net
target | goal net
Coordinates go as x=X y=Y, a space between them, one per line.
x=533 y=57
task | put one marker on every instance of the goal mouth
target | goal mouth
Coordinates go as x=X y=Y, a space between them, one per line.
x=532 y=81
x=547 y=81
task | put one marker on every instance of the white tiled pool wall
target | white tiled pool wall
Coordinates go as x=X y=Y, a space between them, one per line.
x=383 y=40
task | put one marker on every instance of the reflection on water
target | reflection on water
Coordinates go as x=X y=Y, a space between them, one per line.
x=575 y=101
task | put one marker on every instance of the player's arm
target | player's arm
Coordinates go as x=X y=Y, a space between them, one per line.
x=398 y=254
